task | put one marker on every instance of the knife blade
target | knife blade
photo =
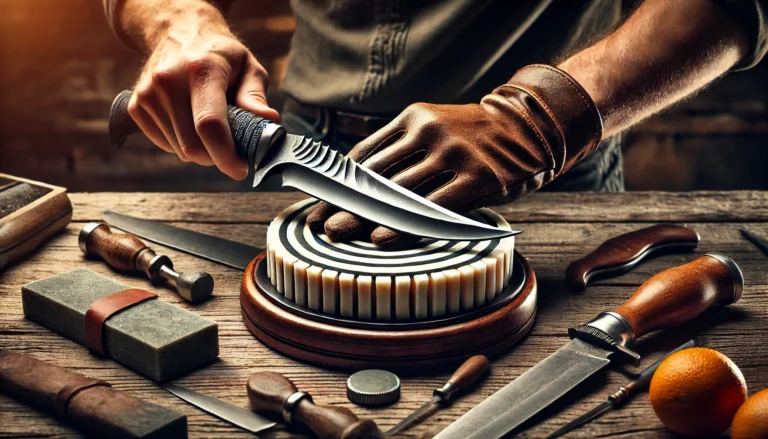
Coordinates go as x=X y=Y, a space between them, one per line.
x=323 y=173
x=466 y=375
x=669 y=298
x=230 y=253
x=233 y=414
x=641 y=382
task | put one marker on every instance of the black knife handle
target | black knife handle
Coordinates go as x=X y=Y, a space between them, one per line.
x=253 y=135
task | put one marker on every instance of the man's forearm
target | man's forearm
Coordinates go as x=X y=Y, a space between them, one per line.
x=141 y=23
x=665 y=51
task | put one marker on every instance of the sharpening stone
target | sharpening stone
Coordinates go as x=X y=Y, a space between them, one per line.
x=154 y=338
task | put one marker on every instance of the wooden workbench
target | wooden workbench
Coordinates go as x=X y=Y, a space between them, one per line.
x=558 y=228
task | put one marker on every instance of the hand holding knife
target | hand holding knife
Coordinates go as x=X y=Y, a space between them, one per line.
x=323 y=173
x=669 y=298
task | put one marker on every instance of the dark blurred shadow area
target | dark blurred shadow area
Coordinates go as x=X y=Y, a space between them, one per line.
x=60 y=68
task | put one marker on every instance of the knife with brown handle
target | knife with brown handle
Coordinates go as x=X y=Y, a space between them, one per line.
x=273 y=392
x=127 y=253
x=622 y=253
x=672 y=297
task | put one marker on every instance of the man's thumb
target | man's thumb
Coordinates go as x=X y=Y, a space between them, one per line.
x=252 y=91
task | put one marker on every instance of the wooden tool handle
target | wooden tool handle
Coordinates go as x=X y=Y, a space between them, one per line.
x=669 y=298
x=622 y=253
x=121 y=251
x=681 y=293
x=466 y=375
x=271 y=391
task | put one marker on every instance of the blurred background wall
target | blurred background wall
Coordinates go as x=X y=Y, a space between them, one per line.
x=60 y=68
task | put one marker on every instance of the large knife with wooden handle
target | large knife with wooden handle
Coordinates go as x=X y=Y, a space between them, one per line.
x=669 y=298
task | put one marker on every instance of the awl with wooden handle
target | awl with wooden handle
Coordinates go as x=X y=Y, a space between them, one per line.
x=127 y=253
x=466 y=375
x=669 y=298
x=273 y=392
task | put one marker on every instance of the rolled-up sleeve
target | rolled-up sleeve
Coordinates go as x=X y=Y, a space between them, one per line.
x=753 y=16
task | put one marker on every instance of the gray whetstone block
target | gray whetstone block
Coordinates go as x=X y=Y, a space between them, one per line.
x=154 y=338
x=18 y=196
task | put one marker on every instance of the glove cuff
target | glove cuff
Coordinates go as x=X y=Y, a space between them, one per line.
x=575 y=119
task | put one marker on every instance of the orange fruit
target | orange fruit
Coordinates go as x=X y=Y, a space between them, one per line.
x=696 y=392
x=751 y=421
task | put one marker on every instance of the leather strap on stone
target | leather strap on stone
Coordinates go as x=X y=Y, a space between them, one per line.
x=106 y=307
x=67 y=392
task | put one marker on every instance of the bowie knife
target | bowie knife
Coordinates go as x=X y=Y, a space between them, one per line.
x=669 y=298
x=323 y=173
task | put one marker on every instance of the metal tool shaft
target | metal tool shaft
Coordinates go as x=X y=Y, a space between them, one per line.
x=231 y=413
x=759 y=242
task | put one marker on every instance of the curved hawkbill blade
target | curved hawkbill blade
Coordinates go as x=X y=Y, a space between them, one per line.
x=323 y=173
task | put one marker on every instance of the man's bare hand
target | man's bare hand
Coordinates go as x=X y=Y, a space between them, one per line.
x=180 y=100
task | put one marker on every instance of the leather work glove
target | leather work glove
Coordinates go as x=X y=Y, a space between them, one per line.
x=462 y=157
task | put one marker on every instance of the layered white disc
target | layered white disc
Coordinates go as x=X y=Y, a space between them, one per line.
x=359 y=280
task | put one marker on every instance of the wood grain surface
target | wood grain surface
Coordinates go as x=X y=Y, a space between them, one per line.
x=557 y=228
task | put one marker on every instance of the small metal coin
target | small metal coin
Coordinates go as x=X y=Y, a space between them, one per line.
x=373 y=387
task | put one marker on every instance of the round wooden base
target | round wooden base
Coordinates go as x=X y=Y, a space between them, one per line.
x=405 y=350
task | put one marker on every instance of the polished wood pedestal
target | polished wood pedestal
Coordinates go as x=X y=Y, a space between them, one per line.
x=392 y=347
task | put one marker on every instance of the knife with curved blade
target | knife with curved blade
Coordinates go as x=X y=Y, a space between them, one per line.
x=323 y=173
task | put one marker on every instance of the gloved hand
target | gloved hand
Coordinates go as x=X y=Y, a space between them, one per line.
x=462 y=157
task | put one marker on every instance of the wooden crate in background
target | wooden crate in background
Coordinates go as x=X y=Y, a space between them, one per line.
x=60 y=67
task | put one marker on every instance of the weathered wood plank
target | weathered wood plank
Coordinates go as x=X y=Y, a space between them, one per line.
x=262 y=207
x=550 y=243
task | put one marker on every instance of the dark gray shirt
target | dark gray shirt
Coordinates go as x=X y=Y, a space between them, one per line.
x=379 y=56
